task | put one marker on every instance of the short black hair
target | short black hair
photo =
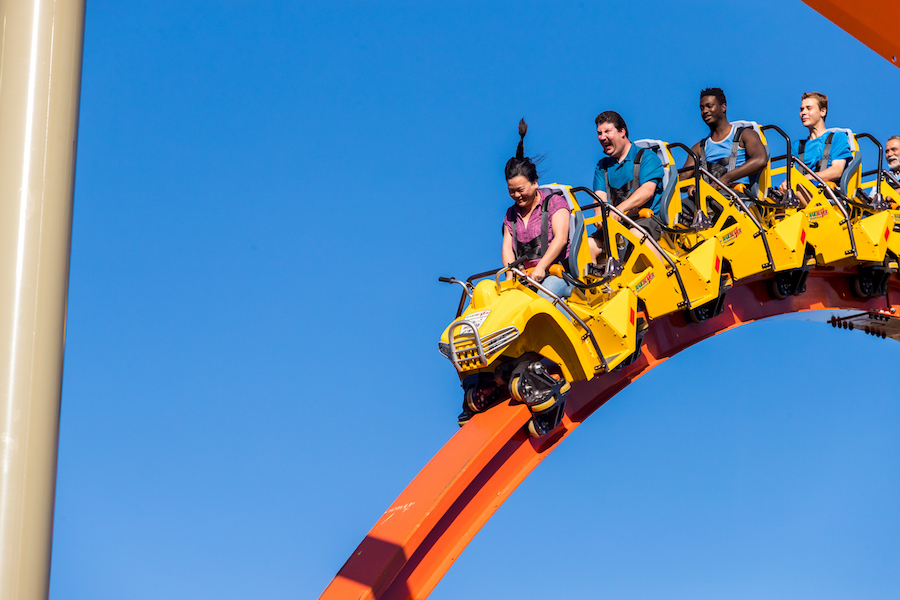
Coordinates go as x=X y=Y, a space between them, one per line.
x=611 y=116
x=716 y=93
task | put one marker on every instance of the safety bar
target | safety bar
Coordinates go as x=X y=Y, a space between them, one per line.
x=466 y=286
x=573 y=280
x=880 y=169
x=468 y=282
x=737 y=199
x=603 y=212
x=665 y=255
x=889 y=177
x=696 y=163
x=557 y=301
x=788 y=155
x=834 y=200
x=646 y=236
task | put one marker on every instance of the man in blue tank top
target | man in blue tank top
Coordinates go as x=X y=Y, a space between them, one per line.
x=733 y=154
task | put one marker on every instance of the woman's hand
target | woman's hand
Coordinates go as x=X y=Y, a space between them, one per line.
x=538 y=273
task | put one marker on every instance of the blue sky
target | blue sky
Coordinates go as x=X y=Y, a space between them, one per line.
x=266 y=194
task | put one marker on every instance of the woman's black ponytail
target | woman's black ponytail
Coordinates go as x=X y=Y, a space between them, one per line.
x=521 y=164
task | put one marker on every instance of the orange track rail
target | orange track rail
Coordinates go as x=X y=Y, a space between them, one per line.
x=417 y=539
x=872 y=22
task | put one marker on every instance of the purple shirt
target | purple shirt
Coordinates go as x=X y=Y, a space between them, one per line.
x=526 y=233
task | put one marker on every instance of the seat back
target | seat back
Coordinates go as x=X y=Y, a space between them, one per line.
x=670 y=202
x=851 y=178
x=763 y=179
x=576 y=227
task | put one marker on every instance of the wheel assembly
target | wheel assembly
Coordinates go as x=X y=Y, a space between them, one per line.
x=543 y=389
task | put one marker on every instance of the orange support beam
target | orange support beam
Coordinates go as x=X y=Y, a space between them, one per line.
x=872 y=22
x=419 y=537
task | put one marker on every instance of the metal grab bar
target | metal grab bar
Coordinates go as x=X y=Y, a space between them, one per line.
x=665 y=255
x=465 y=285
x=557 y=301
x=880 y=169
x=835 y=201
x=603 y=213
x=691 y=154
x=451 y=338
x=645 y=236
x=743 y=207
x=462 y=298
x=788 y=154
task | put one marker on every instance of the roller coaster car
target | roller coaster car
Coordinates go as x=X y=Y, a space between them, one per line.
x=849 y=227
x=510 y=343
x=882 y=201
x=845 y=230
x=716 y=211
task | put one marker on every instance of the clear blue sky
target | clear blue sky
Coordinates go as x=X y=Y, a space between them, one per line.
x=266 y=194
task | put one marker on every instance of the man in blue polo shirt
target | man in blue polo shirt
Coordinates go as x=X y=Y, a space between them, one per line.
x=617 y=181
x=825 y=151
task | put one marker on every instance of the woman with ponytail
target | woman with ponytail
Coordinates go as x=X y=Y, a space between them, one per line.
x=536 y=226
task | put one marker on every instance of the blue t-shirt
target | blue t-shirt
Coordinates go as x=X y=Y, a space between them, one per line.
x=716 y=151
x=812 y=153
x=622 y=173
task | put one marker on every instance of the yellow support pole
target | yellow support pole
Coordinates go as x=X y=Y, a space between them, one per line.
x=40 y=80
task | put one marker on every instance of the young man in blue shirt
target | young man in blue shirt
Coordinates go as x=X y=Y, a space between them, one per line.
x=617 y=181
x=825 y=152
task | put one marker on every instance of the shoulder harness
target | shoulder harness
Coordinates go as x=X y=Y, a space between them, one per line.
x=535 y=247
x=826 y=152
x=616 y=196
x=723 y=165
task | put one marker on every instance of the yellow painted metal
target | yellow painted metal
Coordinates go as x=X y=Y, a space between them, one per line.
x=644 y=272
x=40 y=79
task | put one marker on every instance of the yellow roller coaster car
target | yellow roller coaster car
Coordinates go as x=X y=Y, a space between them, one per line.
x=510 y=343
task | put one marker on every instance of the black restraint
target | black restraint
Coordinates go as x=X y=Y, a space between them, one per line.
x=723 y=165
x=616 y=196
x=826 y=153
x=536 y=247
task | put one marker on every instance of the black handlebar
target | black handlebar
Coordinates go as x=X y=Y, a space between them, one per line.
x=788 y=153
